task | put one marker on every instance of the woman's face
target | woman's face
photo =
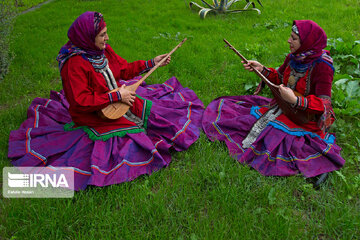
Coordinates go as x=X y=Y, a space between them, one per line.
x=294 y=42
x=101 y=38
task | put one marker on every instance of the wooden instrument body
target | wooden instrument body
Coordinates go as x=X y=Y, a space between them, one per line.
x=118 y=109
x=298 y=116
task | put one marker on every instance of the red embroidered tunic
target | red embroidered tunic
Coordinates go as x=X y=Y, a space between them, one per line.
x=87 y=92
x=314 y=86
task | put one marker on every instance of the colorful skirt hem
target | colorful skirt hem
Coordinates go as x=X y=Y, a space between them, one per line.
x=174 y=122
x=278 y=150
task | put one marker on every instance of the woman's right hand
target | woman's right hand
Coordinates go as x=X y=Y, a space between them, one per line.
x=253 y=64
x=127 y=96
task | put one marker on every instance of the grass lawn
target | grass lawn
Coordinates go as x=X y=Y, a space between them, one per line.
x=204 y=193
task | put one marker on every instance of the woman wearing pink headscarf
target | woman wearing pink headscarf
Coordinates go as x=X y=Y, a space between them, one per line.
x=259 y=134
x=66 y=131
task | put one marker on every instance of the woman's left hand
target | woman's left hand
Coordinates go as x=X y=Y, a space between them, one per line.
x=287 y=94
x=160 y=57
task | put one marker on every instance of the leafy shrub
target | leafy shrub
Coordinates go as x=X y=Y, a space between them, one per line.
x=7 y=14
x=23 y=5
x=346 y=89
x=346 y=92
x=223 y=6
x=346 y=56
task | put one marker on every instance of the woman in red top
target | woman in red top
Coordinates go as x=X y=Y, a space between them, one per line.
x=260 y=135
x=89 y=69
x=67 y=131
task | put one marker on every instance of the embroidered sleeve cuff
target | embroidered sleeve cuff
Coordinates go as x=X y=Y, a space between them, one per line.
x=301 y=103
x=148 y=65
x=265 y=71
x=114 y=96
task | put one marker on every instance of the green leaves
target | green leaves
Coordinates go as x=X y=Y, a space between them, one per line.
x=205 y=3
x=346 y=56
x=222 y=7
x=346 y=94
x=346 y=90
x=351 y=87
x=204 y=11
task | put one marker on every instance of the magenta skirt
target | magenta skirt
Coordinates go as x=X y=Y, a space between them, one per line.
x=174 y=123
x=278 y=150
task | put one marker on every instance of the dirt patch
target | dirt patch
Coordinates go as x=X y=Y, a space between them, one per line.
x=36 y=7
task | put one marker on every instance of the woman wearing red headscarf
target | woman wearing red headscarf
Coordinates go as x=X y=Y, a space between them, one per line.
x=66 y=131
x=259 y=134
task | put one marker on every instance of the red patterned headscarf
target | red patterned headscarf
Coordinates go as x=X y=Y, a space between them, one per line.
x=313 y=40
x=81 y=36
x=83 y=31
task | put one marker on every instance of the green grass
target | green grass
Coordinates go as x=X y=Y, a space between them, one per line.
x=204 y=193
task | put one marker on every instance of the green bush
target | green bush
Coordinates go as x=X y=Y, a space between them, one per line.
x=346 y=90
x=222 y=6
x=7 y=15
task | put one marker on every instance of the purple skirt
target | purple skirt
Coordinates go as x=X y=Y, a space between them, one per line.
x=277 y=150
x=174 y=122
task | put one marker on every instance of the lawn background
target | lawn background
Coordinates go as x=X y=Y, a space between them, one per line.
x=204 y=193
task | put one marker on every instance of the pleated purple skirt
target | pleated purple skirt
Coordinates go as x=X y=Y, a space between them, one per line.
x=277 y=150
x=174 y=123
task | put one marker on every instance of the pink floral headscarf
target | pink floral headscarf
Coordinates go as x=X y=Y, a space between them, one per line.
x=313 y=40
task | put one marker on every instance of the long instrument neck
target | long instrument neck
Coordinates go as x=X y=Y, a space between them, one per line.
x=137 y=84
x=295 y=115
x=254 y=69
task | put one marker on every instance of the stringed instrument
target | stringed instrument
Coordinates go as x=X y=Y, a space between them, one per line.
x=118 y=109
x=298 y=116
